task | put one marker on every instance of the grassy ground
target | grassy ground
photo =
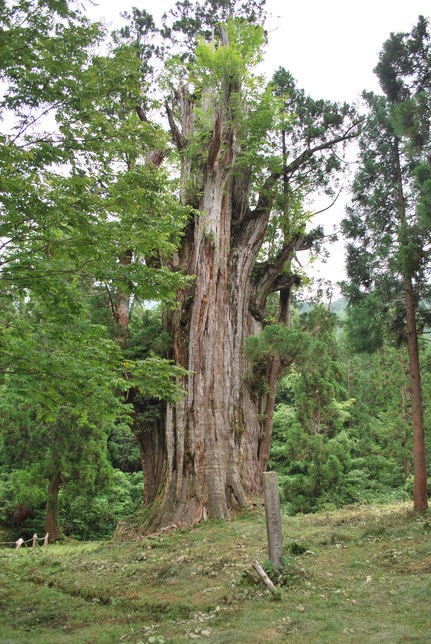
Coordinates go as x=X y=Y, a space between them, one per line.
x=363 y=575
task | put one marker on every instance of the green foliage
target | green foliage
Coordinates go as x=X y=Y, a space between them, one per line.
x=216 y=63
x=62 y=227
x=77 y=194
x=365 y=325
x=80 y=194
x=287 y=574
x=222 y=74
x=82 y=514
x=341 y=433
x=387 y=220
x=388 y=259
x=302 y=125
x=289 y=345
x=95 y=517
x=277 y=339
x=189 y=21
x=310 y=448
x=123 y=452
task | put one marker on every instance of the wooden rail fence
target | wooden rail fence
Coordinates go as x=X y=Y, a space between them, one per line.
x=20 y=542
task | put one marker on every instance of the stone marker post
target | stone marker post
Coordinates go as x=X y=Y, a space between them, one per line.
x=273 y=517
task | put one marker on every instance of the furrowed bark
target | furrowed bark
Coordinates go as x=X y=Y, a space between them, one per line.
x=217 y=437
x=211 y=465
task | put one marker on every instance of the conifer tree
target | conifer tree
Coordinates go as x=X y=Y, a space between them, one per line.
x=225 y=124
x=312 y=450
x=388 y=255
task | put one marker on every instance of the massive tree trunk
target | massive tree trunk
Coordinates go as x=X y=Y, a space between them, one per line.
x=213 y=434
x=217 y=437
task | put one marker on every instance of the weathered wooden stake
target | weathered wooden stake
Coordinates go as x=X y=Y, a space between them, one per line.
x=19 y=543
x=34 y=542
x=264 y=577
x=46 y=539
x=273 y=517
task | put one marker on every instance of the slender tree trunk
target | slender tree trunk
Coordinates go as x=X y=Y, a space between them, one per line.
x=420 y=502
x=406 y=460
x=149 y=436
x=51 y=522
x=419 y=461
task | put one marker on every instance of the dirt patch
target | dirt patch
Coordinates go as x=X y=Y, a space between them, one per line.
x=416 y=567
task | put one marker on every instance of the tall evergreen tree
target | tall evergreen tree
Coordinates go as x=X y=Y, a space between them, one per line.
x=311 y=448
x=388 y=255
x=225 y=125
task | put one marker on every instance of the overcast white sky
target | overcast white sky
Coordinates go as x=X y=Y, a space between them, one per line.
x=330 y=47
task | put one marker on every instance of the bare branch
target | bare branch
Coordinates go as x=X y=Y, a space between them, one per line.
x=180 y=141
x=111 y=302
x=318 y=212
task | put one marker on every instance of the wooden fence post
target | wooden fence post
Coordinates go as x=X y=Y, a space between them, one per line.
x=19 y=543
x=34 y=542
x=46 y=539
x=273 y=517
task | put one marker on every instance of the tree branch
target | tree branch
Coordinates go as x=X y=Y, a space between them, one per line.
x=180 y=141
x=318 y=212
x=268 y=277
x=111 y=303
x=264 y=202
x=155 y=158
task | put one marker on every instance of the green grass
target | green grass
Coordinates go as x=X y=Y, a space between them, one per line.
x=359 y=574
